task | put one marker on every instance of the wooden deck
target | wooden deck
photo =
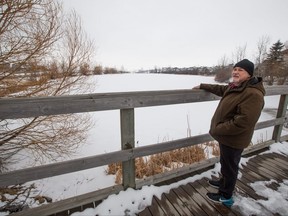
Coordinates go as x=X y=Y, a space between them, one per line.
x=190 y=199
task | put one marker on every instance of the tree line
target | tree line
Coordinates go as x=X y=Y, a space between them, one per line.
x=271 y=65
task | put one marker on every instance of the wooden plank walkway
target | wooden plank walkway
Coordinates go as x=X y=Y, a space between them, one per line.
x=190 y=199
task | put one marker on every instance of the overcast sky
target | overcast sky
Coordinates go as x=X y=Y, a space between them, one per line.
x=143 y=34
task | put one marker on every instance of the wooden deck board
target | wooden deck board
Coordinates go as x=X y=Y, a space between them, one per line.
x=275 y=167
x=190 y=199
x=278 y=162
x=250 y=172
x=155 y=208
x=178 y=203
x=198 y=199
x=145 y=212
x=166 y=206
x=266 y=172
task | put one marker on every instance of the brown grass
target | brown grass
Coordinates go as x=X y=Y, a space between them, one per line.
x=158 y=163
x=12 y=86
x=215 y=147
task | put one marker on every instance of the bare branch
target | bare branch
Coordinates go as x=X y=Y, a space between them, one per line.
x=41 y=52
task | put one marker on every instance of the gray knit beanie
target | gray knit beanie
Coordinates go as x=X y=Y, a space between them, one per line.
x=246 y=65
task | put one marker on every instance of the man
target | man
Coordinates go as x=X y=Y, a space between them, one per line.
x=233 y=124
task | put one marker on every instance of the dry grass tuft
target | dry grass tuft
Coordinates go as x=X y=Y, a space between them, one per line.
x=158 y=163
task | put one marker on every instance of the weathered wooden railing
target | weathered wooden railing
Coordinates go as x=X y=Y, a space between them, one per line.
x=126 y=102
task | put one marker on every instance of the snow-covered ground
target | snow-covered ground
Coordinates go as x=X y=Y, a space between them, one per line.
x=153 y=125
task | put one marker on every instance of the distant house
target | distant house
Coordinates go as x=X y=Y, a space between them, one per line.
x=285 y=55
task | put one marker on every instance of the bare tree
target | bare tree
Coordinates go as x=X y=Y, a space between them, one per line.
x=239 y=54
x=261 y=55
x=41 y=50
x=223 y=70
x=224 y=61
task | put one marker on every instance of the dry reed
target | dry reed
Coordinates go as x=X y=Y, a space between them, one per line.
x=158 y=163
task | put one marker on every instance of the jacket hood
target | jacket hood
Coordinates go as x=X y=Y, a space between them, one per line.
x=256 y=82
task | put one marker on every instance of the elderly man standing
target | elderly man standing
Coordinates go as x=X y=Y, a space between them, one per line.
x=233 y=124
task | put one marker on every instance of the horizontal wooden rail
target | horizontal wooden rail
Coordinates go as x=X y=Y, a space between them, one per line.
x=271 y=123
x=11 y=108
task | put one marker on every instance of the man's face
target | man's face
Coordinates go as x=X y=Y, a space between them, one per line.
x=239 y=75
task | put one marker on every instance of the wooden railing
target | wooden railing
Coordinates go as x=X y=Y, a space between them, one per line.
x=126 y=102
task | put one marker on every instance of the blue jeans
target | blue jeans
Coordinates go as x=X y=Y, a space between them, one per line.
x=229 y=160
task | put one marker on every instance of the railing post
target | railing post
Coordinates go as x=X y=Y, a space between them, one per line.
x=128 y=142
x=280 y=113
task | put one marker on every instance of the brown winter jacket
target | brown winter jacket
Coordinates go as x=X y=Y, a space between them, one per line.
x=237 y=113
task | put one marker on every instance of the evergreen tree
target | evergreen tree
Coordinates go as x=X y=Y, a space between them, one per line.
x=275 y=64
x=275 y=54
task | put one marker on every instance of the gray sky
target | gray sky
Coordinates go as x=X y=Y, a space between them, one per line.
x=136 y=34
